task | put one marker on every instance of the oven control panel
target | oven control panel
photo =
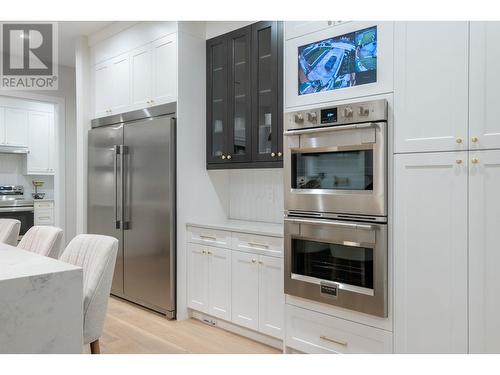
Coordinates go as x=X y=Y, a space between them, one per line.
x=352 y=113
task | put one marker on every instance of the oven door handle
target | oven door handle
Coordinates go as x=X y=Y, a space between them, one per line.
x=17 y=209
x=331 y=128
x=332 y=223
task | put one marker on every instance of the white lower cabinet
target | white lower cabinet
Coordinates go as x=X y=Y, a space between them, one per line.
x=43 y=212
x=209 y=280
x=430 y=253
x=245 y=291
x=312 y=332
x=484 y=252
x=243 y=288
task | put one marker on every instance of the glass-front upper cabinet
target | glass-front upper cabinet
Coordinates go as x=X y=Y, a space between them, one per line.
x=240 y=115
x=217 y=102
x=267 y=90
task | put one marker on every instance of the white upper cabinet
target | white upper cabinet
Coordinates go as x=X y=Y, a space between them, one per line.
x=484 y=251
x=430 y=253
x=219 y=282
x=245 y=290
x=102 y=89
x=431 y=86
x=484 y=100
x=120 y=83
x=52 y=145
x=2 y=125
x=165 y=69
x=140 y=76
x=16 y=127
x=271 y=296
x=38 y=142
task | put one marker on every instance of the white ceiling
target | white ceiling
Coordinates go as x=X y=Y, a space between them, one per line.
x=69 y=31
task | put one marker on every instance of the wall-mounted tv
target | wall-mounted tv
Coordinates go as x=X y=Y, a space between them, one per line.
x=342 y=61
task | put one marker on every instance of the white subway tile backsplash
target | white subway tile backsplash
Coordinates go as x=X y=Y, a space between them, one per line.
x=256 y=195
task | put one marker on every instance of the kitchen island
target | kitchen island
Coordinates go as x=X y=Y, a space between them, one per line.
x=40 y=303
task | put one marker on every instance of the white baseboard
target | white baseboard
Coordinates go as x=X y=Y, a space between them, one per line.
x=242 y=331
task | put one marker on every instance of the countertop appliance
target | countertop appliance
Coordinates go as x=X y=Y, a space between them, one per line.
x=14 y=205
x=336 y=246
x=131 y=196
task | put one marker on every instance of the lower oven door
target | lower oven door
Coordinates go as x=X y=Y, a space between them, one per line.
x=24 y=214
x=340 y=263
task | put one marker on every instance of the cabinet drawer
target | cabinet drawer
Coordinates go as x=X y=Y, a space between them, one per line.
x=266 y=245
x=211 y=237
x=47 y=204
x=44 y=216
x=312 y=332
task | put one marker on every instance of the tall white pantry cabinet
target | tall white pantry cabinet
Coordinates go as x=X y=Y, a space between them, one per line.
x=446 y=188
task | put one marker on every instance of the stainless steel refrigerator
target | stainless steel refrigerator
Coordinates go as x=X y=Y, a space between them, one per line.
x=131 y=196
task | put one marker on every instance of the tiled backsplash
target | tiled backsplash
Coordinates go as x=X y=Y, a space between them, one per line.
x=256 y=194
x=12 y=169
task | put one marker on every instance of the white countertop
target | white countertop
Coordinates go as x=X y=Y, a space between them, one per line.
x=16 y=263
x=253 y=227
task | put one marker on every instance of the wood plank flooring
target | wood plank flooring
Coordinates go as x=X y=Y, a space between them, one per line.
x=130 y=329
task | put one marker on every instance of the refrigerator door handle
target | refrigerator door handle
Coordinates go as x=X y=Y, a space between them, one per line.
x=123 y=151
x=115 y=174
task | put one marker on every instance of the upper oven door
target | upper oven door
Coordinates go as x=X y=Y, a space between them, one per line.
x=350 y=60
x=339 y=169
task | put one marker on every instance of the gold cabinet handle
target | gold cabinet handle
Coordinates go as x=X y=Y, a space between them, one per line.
x=254 y=260
x=229 y=157
x=279 y=154
x=459 y=140
x=273 y=154
x=203 y=251
x=223 y=157
x=208 y=237
x=209 y=252
x=261 y=262
x=458 y=161
x=475 y=160
x=257 y=244
x=474 y=139
x=326 y=338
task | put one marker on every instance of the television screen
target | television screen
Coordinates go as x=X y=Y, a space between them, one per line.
x=342 y=61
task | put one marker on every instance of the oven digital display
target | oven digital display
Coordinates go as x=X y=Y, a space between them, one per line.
x=342 y=61
x=328 y=115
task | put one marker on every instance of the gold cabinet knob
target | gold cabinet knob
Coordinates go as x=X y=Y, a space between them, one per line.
x=261 y=262
x=229 y=156
x=458 y=161
x=475 y=160
x=459 y=140
x=474 y=139
x=254 y=260
x=203 y=251
x=209 y=252
x=279 y=154
x=273 y=154
x=223 y=157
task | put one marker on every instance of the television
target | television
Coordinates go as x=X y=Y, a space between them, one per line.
x=342 y=61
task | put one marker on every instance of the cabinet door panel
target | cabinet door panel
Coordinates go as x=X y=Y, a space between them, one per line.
x=16 y=127
x=140 y=77
x=38 y=142
x=102 y=89
x=2 y=125
x=484 y=83
x=431 y=86
x=219 y=283
x=165 y=69
x=52 y=144
x=240 y=115
x=271 y=296
x=430 y=253
x=245 y=290
x=120 y=83
x=484 y=254
x=197 y=282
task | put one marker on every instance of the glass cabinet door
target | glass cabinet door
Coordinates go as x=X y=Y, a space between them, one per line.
x=239 y=100
x=266 y=103
x=217 y=100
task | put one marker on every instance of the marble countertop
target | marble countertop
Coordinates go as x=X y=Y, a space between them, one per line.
x=16 y=263
x=253 y=227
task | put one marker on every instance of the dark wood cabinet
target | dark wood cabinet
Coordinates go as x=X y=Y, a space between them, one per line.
x=245 y=98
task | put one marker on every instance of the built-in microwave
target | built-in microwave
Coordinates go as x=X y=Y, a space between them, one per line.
x=335 y=160
x=341 y=263
x=348 y=60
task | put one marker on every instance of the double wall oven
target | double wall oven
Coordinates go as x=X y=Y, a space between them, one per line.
x=336 y=205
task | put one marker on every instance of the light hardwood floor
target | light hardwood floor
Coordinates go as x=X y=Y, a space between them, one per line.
x=130 y=329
